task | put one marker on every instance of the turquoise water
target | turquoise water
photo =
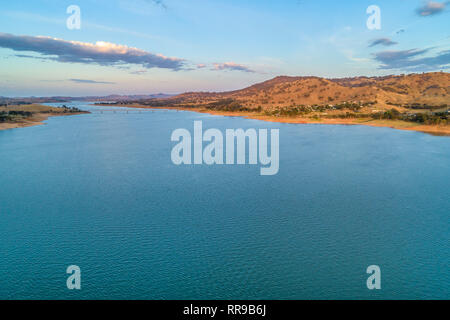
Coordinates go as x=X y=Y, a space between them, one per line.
x=100 y=191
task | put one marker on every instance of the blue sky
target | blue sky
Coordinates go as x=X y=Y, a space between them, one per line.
x=172 y=46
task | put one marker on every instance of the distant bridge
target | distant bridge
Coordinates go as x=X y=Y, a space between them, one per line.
x=123 y=111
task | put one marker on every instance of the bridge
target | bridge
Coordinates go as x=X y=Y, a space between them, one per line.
x=123 y=111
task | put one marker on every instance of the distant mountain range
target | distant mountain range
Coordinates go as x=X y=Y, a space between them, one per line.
x=64 y=99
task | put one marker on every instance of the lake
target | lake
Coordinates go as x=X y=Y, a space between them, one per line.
x=100 y=191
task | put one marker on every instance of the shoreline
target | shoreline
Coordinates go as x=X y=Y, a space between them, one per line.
x=36 y=120
x=435 y=130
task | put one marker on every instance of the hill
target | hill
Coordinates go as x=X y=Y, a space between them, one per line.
x=428 y=90
x=412 y=102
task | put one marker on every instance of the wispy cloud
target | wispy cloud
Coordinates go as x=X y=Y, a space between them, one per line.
x=432 y=8
x=410 y=60
x=138 y=72
x=232 y=67
x=100 y=53
x=90 y=81
x=27 y=16
x=30 y=57
x=143 y=7
x=389 y=56
x=382 y=41
x=160 y=3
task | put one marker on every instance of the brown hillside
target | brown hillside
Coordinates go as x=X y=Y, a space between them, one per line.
x=431 y=89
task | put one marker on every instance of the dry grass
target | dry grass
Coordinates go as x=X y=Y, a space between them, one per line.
x=39 y=112
x=34 y=108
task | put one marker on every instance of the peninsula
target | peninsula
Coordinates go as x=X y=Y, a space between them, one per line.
x=19 y=116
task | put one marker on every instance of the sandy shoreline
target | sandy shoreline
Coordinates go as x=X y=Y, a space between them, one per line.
x=394 y=124
x=37 y=120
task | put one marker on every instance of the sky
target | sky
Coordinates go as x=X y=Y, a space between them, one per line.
x=175 y=46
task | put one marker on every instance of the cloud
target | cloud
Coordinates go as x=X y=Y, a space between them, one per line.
x=432 y=8
x=382 y=41
x=138 y=72
x=232 y=67
x=408 y=60
x=160 y=3
x=30 y=57
x=143 y=7
x=100 y=53
x=90 y=81
x=391 y=56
